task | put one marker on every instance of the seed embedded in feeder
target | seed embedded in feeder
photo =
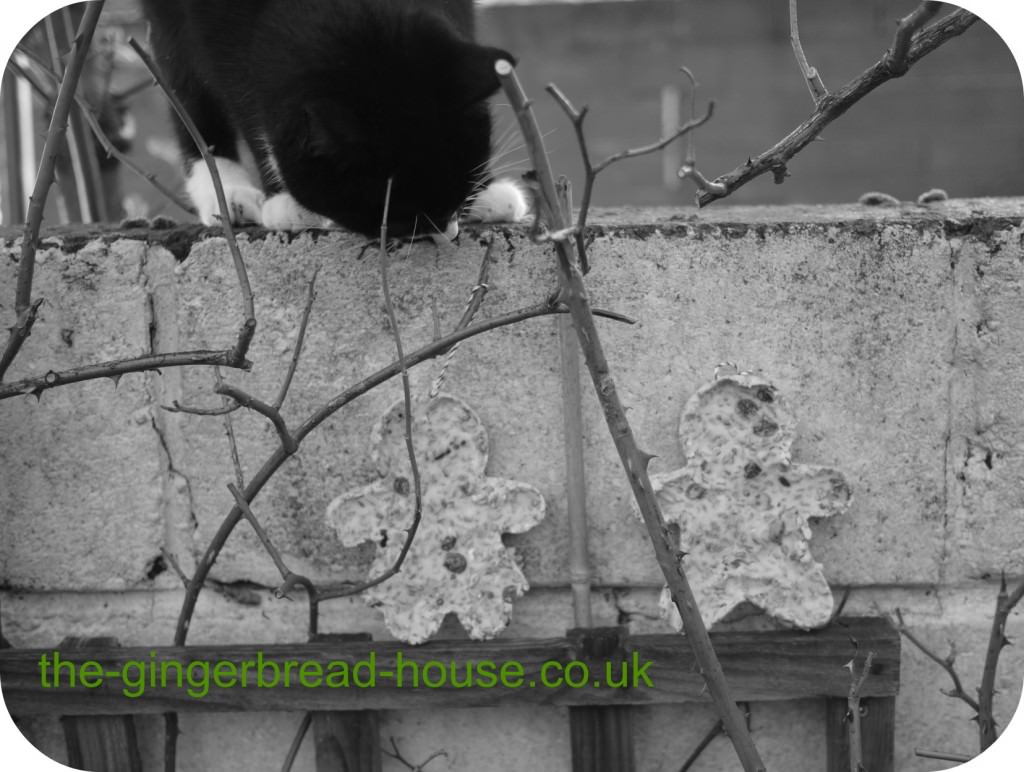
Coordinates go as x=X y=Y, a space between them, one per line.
x=696 y=491
x=455 y=562
x=751 y=470
x=402 y=486
x=765 y=428
x=447 y=543
x=746 y=407
x=765 y=395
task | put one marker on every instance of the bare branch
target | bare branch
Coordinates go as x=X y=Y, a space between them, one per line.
x=229 y=429
x=417 y=483
x=896 y=58
x=591 y=171
x=288 y=442
x=634 y=461
x=24 y=308
x=115 y=369
x=814 y=84
x=248 y=329
x=997 y=640
x=946 y=663
x=942 y=755
x=835 y=104
x=290 y=578
x=293 y=749
x=853 y=708
x=299 y=340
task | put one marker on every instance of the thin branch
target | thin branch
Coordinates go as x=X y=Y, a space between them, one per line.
x=289 y=577
x=942 y=755
x=946 y=664
x=853 y=708
x=712 y=733
x=293 y=749
x=634 y=460
x=288 y=442
x=24 y=308
x=814 y=84
x=839 y=606
x=897 y=58
x=229 y=429
x=1005 y=603
x=476 y=298
x=835 y=104
x=417 y=483
x=397 y=756
x=115 y=369
x=177 y=407
x=248 y=329
x=591 y=170
x=299 y=340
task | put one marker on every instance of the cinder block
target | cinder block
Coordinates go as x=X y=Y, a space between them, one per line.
x=80 y=468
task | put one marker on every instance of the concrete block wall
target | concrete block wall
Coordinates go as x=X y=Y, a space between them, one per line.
x=894 y=333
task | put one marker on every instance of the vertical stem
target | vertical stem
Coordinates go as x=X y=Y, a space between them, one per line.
x=575 y=484
x=634 y=461
x=23 y=305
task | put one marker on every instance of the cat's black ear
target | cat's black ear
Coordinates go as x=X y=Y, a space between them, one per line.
x=475 y=78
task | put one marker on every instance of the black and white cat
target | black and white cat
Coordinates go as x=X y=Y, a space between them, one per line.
x=333 y=98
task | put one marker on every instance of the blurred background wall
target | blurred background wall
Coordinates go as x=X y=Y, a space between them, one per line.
x=955 y=121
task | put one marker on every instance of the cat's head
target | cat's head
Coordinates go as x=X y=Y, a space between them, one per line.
x=405 y=101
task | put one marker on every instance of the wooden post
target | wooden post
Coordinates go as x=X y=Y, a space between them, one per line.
x=878 y=719
x=100 y=743
x=346 y=740
x=601 y=735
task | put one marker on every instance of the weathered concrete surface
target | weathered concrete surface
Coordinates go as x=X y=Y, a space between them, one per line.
x=896 y=334
x=81 y=477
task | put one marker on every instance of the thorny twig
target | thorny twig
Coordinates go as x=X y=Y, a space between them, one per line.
x=269 y=412
x=577 y=117
x=896 y=59
x=853 y=710
x=947 y=663
x=397 y=756
x=115 y=369
x=574 y=295
x=814 y=84
x=24 y=308
x=835 y=104
x=289 y=577
x=1005 y=603
x=248 y=329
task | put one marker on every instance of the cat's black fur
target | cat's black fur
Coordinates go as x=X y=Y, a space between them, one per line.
x=348 y=93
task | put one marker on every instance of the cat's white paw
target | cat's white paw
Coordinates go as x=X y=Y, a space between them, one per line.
x=504 y=200
x=244 y=199
x=281 y=212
